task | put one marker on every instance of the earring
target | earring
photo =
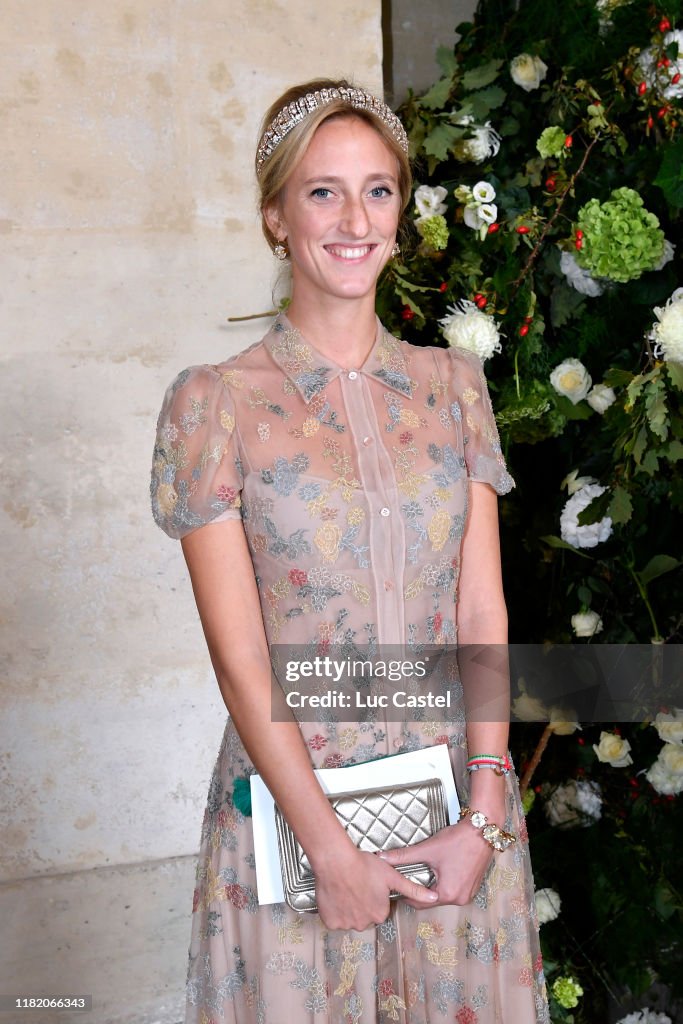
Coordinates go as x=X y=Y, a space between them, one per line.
x=280 y=251
x=396 y=251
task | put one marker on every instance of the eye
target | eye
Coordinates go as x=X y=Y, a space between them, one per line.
x=380 y=191
x=321 y=193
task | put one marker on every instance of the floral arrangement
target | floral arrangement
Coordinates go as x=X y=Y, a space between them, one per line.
x=549 y=162
x=547 y=219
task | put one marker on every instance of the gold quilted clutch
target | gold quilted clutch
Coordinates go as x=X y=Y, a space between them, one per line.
x=375 y=820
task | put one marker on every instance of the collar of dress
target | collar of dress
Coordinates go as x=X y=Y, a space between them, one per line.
x=310 y=371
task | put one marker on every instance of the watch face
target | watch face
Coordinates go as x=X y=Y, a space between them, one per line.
x=479 y=819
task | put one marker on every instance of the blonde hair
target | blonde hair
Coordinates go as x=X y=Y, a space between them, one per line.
x=277 y=167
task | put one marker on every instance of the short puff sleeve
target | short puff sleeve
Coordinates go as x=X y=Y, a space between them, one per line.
x=483 y=454
x=196 y=470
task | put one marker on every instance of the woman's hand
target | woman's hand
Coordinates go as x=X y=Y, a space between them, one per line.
x=458 y=855
x=352 y=889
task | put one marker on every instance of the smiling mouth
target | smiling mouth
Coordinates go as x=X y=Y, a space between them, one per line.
x=345 y=252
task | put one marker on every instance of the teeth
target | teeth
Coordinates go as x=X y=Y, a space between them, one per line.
x=349 y=254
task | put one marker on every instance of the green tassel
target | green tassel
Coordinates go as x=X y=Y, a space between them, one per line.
x=241 y=795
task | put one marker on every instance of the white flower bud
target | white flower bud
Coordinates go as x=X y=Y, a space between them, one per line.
x=548 y=904
x=614 y=750
x=600 y=397
x=586 y=623
x=528 y=72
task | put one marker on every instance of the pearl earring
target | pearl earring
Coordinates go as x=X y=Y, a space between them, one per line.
x=280 y=251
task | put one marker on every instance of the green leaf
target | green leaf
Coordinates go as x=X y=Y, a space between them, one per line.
x=674 y=452
x=657 y=412
x=437 y=97
x=445 y=58
x=508 y=126
x=657 y=566
x=596 y=511
x=639 y=445
x=440 y=141
x=410 y=303
x=675 y=372
x=670 y=176
x=565 y=303
x=557 y=542
x=580 y=411
x=486 y=100
x=617 y=378
x=650 y=463
x=477 y=78
x=620 y=507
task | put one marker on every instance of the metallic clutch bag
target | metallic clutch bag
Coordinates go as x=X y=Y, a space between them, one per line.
x=375 y=820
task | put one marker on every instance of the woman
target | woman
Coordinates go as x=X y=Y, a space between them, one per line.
x=334 y=486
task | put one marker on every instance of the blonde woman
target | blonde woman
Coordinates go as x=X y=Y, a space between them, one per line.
x=334 y=486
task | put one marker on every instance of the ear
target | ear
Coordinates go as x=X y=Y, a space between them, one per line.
x=275 y=221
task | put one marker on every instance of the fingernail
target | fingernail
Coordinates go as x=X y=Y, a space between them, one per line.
x=432 y=897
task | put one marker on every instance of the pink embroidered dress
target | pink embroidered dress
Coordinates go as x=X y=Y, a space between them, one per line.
x=352 y=486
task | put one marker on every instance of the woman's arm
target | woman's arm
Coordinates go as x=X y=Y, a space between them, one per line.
x=352 y=887
x=459 y=854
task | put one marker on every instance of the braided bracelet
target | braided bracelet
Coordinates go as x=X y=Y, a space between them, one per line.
x=501 y=765
x=497 y=838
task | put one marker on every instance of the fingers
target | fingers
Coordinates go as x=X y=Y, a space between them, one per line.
x=413 y=891
x=403 y=855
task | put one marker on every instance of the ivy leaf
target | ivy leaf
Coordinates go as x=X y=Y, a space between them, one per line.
x=437 y=96
x=557 y=542
x=675 y=371
x=670 y=176
x=657 y=566
x=485 y=100
x=477 y=78
x=445 y=58
x=565 y=303
x=620 y=507
x=440 y=141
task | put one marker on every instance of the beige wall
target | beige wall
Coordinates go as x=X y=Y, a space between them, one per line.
x=128 y=237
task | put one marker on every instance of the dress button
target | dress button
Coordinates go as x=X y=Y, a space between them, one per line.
x=367 y=441
x=385 y=512
x=352 y=374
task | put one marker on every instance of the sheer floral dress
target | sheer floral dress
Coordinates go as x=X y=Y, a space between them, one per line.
x=352 y=487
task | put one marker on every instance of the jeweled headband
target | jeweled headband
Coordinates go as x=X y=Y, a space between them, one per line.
x=294 y=113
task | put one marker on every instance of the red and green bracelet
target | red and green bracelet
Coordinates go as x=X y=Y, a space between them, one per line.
x=500 y=764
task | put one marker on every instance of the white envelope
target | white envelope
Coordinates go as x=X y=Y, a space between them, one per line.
x=415 y=766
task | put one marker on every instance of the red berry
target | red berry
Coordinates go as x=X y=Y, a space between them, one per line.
x=443 y=287
x=528 y=319
x=568 y=142
x=578 y=244
x=524 y=330
x=550 y=184
x=642 y=88
x=523 y=229
x=666 y=62
x=676 y=78
x=537 y=789
x=581 y=741
x=480 y=300
x=493 y=228
x=664 y=25
x=407 y=313
x=662 y=112
x=579 y=233
x=650 y=121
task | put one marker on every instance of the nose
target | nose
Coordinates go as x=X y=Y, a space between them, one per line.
x=354 y=219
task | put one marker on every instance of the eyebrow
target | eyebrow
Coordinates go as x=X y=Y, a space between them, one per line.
x=337 y=180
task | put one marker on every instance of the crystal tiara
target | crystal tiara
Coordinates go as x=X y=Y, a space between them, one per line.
x=292 y=115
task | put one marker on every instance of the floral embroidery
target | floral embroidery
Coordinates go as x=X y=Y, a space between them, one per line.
x=190 y=421
x=227 y=421
x=263 y=431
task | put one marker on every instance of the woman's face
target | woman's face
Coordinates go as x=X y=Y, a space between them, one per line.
x=339 y=212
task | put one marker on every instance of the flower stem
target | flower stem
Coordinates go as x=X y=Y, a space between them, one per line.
x=642 y=590
x=536 y=759
x=517 y=372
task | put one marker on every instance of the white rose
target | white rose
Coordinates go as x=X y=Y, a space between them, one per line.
x=660 y=78
x=583 y=536
x=578 y=277
x=670 y=726
x=483 y=143
x=470 y=328
x=614 y=750
x=571 y=379
x=668 y=333
x=586 y=623
x=429 y=201
x=527 y=71
x=563 y=722
x=548 y=904
x=483 y=192
x=576 y=803
x=573 y=482
x=600 y=397
x=529 y=709
x=666 y=774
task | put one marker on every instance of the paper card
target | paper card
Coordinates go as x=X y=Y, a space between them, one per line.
x=415 y=766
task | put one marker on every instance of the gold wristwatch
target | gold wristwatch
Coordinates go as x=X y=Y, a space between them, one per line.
x=494 y=835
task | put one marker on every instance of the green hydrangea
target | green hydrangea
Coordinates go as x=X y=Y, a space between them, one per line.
x=434 y=231
x=551 y=142
x=621 y=239
x=567 y=992
x=528 y=800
